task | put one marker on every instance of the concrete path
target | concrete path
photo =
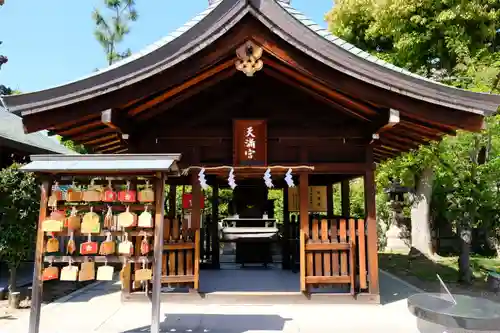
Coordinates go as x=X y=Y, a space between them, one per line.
x=98 y=309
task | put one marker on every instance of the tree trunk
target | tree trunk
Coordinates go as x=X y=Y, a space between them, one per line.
x=12 y=278
x=464 y=271
x=494 y=242
x=421 y=240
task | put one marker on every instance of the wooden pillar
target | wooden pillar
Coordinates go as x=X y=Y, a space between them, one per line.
x=196 y=207
x=214 y=227
x=286 y=231
x=172 y=201
x=304 y=225
x=158 y=250
x=195 y=224
x=344 y=194
x=37 y=286
x=371 y=221
x=329 y=200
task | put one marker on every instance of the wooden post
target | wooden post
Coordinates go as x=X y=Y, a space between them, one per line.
x=286 y=231
x=329 y=200
x=172 y=201
x=195 y=224
x=37 y=286
x=371 y=218
x=214 y=227
x=304 y=225
x=346 y=202
x=158 y=250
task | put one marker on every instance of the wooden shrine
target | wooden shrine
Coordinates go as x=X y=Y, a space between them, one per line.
x=250 y=86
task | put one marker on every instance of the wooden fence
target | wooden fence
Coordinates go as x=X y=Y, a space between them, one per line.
x=181 y=254
x=334 y=252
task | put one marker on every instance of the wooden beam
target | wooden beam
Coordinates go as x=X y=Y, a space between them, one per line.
x=188 y=84
x=106 y=138
x=391 y=122
x=73 y=122
x=343 y=99
x=85 y=127
x=115 y=119
x=332 y=103
x=37 y=285
x=223 y=133
x=109 y=150
x=171 y=102
x=390 y=135
x=394 y=144
x=91 y=135
x=223 y=103
x=108 y=144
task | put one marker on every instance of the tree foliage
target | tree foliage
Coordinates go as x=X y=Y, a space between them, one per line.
x=429 y=37
x=80 y=149
x=19 y=203
x=111 y=30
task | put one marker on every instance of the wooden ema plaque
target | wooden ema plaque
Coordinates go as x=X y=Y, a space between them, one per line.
x=317 y=199
x=250 y=142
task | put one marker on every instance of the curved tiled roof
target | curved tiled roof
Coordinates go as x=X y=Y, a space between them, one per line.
x=283 y=20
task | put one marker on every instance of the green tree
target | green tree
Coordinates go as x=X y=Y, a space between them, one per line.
x=110 y=31
x=80 y=149
x=457 y=43
x=19 y=203
x=443 y=38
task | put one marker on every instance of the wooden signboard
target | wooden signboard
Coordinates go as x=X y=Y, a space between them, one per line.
x=249 y=142
x=317 y=199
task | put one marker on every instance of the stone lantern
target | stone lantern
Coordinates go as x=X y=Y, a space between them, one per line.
x=396 y=194
x=397 y=232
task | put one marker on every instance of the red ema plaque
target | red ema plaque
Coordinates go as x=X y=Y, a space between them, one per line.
x=250 y=142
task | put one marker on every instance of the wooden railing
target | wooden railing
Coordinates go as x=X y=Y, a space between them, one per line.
x=181 y=254
x=334 y=252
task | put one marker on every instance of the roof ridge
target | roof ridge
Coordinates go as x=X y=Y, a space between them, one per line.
x=351 y=48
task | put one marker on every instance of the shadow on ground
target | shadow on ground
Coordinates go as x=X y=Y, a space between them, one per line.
x=101 y=289
x=207 y=323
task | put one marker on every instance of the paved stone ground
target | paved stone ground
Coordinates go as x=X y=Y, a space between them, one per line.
x=98 y=309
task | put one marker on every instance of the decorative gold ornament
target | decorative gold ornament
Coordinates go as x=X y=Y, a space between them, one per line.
x=249 y=58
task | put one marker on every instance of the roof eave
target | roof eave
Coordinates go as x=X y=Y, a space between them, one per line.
x=215 y=23
x=285 y=25
x=283 y=21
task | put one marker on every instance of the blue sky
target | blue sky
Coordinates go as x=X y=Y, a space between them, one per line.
x=51 y=42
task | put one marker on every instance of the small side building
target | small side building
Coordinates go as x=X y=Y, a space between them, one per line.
x=16 y=146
